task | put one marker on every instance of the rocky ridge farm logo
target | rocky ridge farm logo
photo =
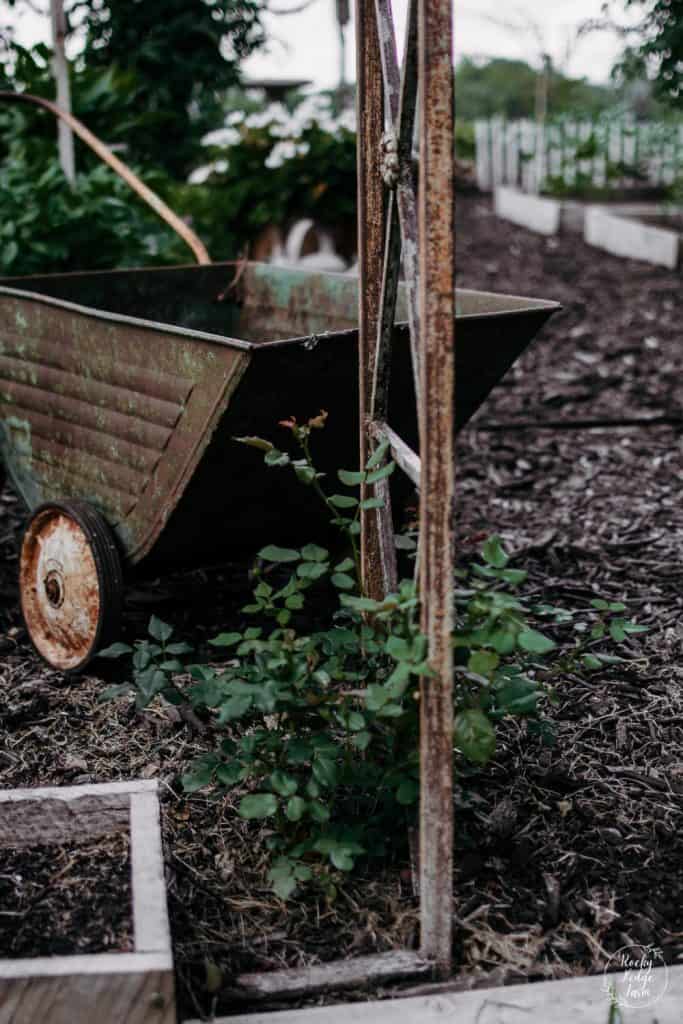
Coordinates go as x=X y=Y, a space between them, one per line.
x=636 y=977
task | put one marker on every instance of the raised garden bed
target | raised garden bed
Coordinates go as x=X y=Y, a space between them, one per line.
x=83 y=920
x=66 y=897
x=648 y=231
x=652 y=232
x=542 y=214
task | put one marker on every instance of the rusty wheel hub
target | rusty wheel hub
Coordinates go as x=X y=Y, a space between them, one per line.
x=69 y=581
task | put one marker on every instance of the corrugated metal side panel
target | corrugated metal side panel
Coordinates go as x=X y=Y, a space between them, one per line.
x=109 y=412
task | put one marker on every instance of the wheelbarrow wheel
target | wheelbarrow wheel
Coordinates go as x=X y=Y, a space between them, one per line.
x=70 y=583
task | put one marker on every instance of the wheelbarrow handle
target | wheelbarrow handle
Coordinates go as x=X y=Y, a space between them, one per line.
x=104 y=153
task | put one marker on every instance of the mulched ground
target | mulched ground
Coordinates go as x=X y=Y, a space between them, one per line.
x=60 y=899
x=564 y=854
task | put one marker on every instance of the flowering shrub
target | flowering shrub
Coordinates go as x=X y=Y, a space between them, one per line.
x=270 y=167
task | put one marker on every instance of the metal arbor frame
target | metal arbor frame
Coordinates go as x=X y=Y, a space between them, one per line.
x=417 y=226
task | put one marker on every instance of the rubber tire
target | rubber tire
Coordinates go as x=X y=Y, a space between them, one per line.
x=102 y=547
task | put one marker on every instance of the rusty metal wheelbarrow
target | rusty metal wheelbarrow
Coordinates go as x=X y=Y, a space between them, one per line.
x=121 y=393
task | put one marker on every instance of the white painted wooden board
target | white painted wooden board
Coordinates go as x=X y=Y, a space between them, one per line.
x=630 y=238
x=150 y=919
x=529 y=211
x=102 y=988
x=570 y=1001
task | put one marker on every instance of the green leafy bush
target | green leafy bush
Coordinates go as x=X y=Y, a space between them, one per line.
x=321 y=728
x=46 y=226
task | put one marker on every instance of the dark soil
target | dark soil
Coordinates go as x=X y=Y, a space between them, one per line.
x=58 y=900
x=672 y=221
x=564 y=854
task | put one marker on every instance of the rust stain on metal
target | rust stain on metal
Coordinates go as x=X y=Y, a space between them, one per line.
x=60 y=593
x=370 y=111
x=437 y=271
x=115 y=413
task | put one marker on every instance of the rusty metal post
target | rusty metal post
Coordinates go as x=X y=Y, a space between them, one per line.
x=370 y=118
x=437 y=282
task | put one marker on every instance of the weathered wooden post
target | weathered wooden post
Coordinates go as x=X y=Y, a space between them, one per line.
x=65 y=138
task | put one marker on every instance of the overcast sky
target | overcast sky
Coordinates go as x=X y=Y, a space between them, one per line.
x=306 y=45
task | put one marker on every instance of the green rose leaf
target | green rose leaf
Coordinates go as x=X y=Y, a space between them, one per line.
x=474 y=736
x=617 y=631
x=305 y=474
x=115 y=650
x=350 y=478
x=229 y=774
x=272 y=553
x=377 y=456
x=161 y=631
x=225 y=639
x=325 y=771
x=484 y=663
x=257 y=805
x=276 y=458
x=494 y=553
x=343 y=581
x=295 y=808
x=234 y=707
x=281 y=877
x=381 y=474
x=318 y=812
x=341 y=858
x=283 y=783
x=255 y=442
x=312 y=553
x=343 y=501
x=534 y=642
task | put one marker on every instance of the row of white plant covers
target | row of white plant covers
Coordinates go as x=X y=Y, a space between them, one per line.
x=568 y=154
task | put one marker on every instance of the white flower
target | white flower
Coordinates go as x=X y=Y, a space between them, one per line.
x=227 y=136
x=283 y=130
x=281 y=152
x=200 y=174
x=273 y=112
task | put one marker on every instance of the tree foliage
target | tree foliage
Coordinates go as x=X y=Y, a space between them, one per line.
x=151 y=74
x=508 y=88
x=657 y=48
x=181 y=56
